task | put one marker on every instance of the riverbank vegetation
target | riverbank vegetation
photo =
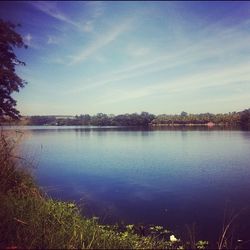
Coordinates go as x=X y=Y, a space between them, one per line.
x=143 y=119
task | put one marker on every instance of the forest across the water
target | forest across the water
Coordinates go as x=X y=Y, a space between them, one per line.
x=241 y=118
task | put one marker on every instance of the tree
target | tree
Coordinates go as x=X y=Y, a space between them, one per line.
x=183 y=113
x=9 y=81
x=245 y=117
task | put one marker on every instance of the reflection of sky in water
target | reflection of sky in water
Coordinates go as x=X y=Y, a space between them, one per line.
x=162 y=177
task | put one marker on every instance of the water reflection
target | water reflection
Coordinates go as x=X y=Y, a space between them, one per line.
x=169 y=176
x=124 y=128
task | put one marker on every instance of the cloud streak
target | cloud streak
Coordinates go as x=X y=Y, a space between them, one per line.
x=51 y=9
x=85 y=25
x=102 y=41
x=214 y=48
x=137 y=55
x=185 y=84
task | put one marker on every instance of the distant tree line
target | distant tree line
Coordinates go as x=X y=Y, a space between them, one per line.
x=196 y=119
x=228 y=119
x=143 y=119
x=100 y=119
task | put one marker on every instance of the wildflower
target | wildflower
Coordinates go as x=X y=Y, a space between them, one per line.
x=172 y=238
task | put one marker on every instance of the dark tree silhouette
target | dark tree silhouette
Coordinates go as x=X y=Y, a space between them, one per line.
x=9 y=81
x=245 y=117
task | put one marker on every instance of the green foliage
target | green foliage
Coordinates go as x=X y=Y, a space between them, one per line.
x=245 y=117
x=42 y=120
x=145 y=119
x=183 y=113
x=13 y=177
x=32 y=222
x=197 y=119
x=9 y=81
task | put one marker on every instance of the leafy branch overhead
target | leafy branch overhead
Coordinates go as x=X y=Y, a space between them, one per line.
x=9 y=81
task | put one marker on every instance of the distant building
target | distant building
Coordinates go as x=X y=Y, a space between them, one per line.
x=210 y=124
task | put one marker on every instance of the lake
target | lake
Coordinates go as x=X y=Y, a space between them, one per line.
x=170 y=177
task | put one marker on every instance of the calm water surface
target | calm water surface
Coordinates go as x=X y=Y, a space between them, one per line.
x=164 y=177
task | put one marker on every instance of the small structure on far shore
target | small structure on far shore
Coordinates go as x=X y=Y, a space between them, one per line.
x=210 y=124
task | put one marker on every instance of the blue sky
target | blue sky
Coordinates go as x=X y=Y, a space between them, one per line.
x=125 y=57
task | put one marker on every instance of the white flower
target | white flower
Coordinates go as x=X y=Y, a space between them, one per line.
x=172 y=238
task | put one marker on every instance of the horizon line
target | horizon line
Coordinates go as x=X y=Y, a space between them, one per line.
x=64 y=115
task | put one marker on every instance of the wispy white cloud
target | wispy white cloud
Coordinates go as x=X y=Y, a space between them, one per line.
x=102 y=41
x=96 y=7
x=96 y=10
x=51 y=9
x=216 y=47
x=209 y=78
x=85 y=24
x=167 y=55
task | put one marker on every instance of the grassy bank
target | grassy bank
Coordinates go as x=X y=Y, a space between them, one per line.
x=30 y=219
